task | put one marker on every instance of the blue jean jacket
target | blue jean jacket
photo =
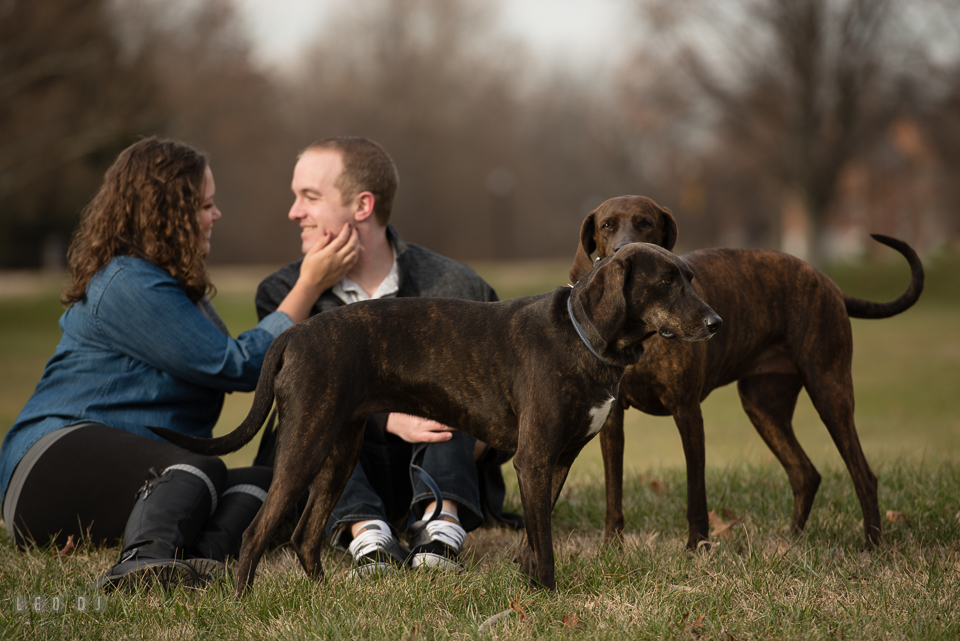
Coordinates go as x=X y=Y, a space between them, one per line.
x=136 y=352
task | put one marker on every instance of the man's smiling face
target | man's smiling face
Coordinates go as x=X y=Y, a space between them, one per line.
x=318 y=206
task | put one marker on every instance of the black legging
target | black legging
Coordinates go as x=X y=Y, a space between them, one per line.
x=86 y=482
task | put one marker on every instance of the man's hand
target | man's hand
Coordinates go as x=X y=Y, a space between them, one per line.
x=324 y=264
x=414 y=429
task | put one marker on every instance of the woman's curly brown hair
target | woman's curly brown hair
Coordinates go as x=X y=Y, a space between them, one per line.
x=148 y=207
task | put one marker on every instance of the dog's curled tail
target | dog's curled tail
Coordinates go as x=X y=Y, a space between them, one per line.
x=259 y=410
x=859 y=308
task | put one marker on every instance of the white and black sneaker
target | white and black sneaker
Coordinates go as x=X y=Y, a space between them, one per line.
x=437 y=544
x=376 y=551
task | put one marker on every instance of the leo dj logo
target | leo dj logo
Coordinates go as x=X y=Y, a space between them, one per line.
x=58 y=604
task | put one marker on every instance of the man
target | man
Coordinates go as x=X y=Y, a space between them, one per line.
x=344 y=190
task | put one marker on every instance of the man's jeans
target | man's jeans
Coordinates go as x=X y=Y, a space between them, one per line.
x=380 y=488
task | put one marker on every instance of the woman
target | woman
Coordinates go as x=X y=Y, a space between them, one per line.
x=142 y=346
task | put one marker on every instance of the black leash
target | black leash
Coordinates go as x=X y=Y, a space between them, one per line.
x=415 y=461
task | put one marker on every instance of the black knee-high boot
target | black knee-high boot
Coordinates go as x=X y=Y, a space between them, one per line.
x=170 y=512
x=223 y=532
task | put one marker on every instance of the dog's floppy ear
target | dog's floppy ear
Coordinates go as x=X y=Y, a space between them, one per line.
x=582 y=261
x=602 y=297
x=669 y=226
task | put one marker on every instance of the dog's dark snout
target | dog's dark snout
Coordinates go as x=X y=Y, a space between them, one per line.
x=713 y=323
x=617 y=247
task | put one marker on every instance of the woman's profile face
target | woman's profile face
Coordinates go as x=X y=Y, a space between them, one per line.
x=208 y=211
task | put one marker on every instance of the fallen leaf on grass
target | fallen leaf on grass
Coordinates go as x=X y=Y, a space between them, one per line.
x=68 y=548
x=492 y=621
x=696 y=624
x=688 y=629
x=721 y=528
x=893 y=516
x=518 y=606
x=570 y=621
x=658 y=487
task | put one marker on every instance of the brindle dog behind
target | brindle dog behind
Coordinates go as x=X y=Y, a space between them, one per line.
x=517 y=374
x=786 y=327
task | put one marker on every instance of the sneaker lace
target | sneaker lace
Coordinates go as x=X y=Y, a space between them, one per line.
x=370 y=540
x=450 y=534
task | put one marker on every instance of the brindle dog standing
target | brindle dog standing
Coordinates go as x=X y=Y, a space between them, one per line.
x=517 y=374
x=786 y=327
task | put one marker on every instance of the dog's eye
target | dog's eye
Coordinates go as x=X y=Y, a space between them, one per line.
x=605 y=226
x=667 y=280
x=646 y=224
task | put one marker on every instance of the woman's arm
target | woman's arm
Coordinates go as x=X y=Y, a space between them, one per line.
x=143 y=313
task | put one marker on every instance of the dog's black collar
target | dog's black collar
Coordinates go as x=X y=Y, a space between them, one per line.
x=583 y=337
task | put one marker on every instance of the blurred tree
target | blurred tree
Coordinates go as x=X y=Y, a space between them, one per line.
x=213 y=97
x=426 y=79
x=495 y=160
x=576 y=152
x=787 y=91
x=68 y=104
x=82 y=79
x=942 y=124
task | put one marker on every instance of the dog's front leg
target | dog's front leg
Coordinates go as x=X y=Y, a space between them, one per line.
x=690 y=423
x=535 y=477
x=611 y=447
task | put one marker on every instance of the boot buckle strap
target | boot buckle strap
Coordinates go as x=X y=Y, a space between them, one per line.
x=153 y=475
x=129 y=554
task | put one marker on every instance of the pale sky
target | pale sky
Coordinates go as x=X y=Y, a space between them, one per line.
x=569 y=31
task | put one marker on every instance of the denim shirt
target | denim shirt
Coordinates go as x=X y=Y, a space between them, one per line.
x=136 y=352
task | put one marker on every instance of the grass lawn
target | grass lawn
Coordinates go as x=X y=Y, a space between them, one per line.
x=756 y=582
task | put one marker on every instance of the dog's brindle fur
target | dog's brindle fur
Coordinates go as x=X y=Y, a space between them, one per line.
x=786 y=327
x=513 y=373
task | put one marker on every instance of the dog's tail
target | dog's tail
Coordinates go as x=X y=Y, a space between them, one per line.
x=262 y=402
x=859 y=308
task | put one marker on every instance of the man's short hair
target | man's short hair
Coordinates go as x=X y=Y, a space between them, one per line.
x=366 y=167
